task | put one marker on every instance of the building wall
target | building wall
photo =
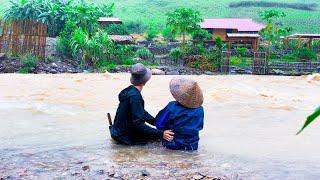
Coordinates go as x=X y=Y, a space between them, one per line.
x=219 y=32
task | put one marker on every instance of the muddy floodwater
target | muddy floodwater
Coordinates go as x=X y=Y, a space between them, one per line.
x=55 y=127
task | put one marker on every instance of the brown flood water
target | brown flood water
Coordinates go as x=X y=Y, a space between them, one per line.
x=52 y=126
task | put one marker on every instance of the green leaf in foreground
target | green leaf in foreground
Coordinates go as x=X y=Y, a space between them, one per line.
x=310 y=119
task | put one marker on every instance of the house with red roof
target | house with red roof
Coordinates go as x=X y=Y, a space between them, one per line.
x=109 y=20
x=234 y=30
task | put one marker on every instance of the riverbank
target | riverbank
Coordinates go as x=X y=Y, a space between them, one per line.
x=55 y=127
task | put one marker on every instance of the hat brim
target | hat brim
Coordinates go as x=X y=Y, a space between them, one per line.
x=143 y=80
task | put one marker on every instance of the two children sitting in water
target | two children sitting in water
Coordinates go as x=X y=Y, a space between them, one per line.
x=177 y=125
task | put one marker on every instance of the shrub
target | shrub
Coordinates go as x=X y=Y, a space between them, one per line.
x=235 y=61
x=144 y=53
x=214 y=56
x=241 y=51
x=168 y=34
x=305 y=54
x=176 y=54
x=128 y=61
x=28 y=63
x=152 y=32
x=200 y=62
x=116 y=29
x=55 y=13
x=135 y=27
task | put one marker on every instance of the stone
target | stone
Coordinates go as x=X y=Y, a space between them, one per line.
x=157 y=72
x=198 y=177
x=145 y=173
x=100 y=172
x=85 y=168
x=2 y=56
x=173 y=73
x=54 y=65
x=318 y=69
x=208 y=73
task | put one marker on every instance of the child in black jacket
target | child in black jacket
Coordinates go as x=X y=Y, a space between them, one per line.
x=130 y=126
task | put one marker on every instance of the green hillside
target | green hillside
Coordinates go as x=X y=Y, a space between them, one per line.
x=153 y=11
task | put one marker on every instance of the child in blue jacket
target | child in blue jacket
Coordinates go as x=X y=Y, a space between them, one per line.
x=184 y=116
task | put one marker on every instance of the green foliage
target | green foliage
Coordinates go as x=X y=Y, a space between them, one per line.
x=274 y=29
x=176 y=54
x=116 y=29
x=93 y=48
x=184 y=21
x=241 y=51
x=168 y=34
x=219 y=42
x=128 y=61
x=144 y=53
x=28 y=62
x=55 y=13
x=152 y=32
x=135 y=27
x=149 y=11
x=86 y=15
x=241 y=62
x=200 y=35
x=214 y=56
x=200 y=62
x=305 y=54
x=310 y=119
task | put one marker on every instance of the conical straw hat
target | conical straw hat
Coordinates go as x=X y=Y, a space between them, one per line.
x=187 y=92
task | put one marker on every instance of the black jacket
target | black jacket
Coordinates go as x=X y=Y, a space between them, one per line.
x=130 y=122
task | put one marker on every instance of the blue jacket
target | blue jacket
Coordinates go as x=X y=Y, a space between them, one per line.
x=185 y=123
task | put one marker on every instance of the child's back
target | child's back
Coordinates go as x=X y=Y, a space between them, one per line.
x=185 y=123
x=184 y=116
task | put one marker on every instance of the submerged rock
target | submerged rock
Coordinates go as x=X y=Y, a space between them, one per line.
x=145 y=173
x=157 y=72
x=85 y=168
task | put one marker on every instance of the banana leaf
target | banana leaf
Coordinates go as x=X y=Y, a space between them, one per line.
x=310 y=119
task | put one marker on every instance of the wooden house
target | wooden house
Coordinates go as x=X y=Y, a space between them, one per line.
x=234 y=30
x=105 y=21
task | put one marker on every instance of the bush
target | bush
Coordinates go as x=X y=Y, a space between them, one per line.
x=305 y=54
x=152 y=32
x=55 y=13
x=116 y=29
x=176 y=54
x=144 y=53
x=200 y=62
x=168 y=34
x=241 y=51
x=214 y=56
x=28 y=63
x=135 y=27
x=128 y=62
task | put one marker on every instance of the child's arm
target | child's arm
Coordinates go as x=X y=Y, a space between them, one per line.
x=149 y=118
x=162 y=119
x=138 y=113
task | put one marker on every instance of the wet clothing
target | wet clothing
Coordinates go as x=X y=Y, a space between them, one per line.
x=130 y=122
x=185 y=123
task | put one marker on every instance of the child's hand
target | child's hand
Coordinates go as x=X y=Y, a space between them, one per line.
x=168 y=135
